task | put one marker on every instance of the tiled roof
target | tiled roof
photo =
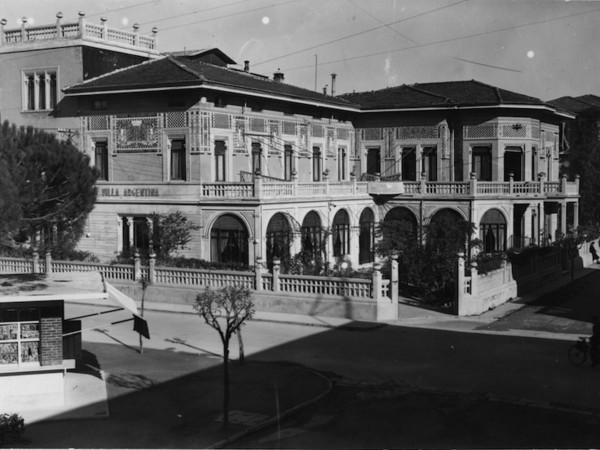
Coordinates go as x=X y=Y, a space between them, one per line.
x=578 y=105
x=437 y=95
x=180 y=71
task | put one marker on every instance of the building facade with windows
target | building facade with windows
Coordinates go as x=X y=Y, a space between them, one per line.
x=37 y=62
x=268 y=170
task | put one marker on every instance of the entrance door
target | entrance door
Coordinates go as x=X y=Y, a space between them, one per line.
x=374 y=160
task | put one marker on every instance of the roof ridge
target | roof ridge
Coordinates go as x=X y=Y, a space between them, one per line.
x=184 y=67
x=425 y=91
x=122 y=69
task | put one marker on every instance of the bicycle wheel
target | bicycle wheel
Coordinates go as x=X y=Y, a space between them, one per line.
x=577 y=355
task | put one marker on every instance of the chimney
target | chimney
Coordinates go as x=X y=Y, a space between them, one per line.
x=325 y=90
x=246 y=66
x=333 y=75
x=278 y=76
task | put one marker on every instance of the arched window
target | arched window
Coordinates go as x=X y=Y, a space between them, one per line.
x=279 y=238
x=492 y=231
x=229 y=240
x=341 y=233
x=366 y=237
x=312 y=235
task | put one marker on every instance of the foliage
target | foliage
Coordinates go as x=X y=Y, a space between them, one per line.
x=12 y=426
x=429 y=265
x=488 y=262
x=225 y=310
x=174 y=232
x=48 y=187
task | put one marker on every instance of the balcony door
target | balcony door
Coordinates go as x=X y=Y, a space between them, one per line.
x=513 y=163
x=373 y=160
x=482 y=163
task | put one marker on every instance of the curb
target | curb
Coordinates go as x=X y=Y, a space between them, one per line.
x=273 y=420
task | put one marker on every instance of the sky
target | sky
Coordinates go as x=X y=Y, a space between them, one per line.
x=542 y=48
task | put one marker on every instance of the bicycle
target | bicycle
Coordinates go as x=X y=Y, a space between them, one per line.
x=579 y=351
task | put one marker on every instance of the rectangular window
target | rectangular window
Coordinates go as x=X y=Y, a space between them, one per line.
x=288 y=162
x=430 y=163
x=19 y=336
x=220 y=160
x=409 y=164
x=178 y=159
x=256 y=157
x=342 y=163
x=40 y=92
x=101 y=160
x=316 y=164
x=482 y=163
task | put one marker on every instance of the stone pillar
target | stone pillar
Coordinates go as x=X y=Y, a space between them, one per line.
x=394 y=281
x=137 y=267
x=155 y=35
x=104 y=27
x=36 y=261
x=150 y=223
x=473 y=183
x=3 y=22
x=474 y=277
x=326 y=179
x=563 y=217
x=136 y=36
x=575 y=215
x=511 y=183
x=23 y=30
x=48 y=263
x=130 y=230
x=257 y=185
x=81 y=32
x=276 y=271
x=377 y=282
x=59 y=17
x=423 y=183
x=460 y=280
x=354 y=245
x=152 y=267
x=258 y=268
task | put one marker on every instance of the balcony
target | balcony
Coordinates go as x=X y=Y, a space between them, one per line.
x=475 y=188
x=257 y=190
x=77 y=30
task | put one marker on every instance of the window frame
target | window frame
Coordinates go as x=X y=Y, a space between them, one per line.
x=19 y=340
x=317 y=163
x=182 y=162
x=220 y=158
x=103 y=170
x=31 y=100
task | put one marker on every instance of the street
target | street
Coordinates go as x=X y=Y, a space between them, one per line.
x=389 y=380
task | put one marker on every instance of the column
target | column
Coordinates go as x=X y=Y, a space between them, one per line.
x=563 y=218
x=354 y=245
x=575 y=215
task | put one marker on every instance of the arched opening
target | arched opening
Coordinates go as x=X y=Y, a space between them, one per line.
x=312 y=239
x=448 y=229
x=492 y=231
x=341 y=233
x=366 y=237
x=279 y=239
x=229 y=240
x=403 y=219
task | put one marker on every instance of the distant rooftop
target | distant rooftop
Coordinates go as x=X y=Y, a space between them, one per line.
x=80 y=29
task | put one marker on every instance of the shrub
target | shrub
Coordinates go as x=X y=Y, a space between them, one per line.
x=12 y=426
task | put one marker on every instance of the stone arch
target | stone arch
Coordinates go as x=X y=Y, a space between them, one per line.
x=340 y=228
x=312 y=235
x=401 y=214
x=366 y=236
x=279 y=237
x=492 y=231
x=229 y=238
x=446 y=217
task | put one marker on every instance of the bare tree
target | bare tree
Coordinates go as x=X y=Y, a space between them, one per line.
x=225 y=310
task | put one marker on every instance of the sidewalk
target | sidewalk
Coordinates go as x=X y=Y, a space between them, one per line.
x=87 y=396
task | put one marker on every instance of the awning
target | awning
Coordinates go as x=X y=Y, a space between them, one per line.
x=116 y=296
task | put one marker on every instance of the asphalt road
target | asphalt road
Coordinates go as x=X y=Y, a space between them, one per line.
x=399 y=386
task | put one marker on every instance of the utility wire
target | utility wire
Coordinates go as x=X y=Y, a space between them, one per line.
x=444 y=41
x=416 y=43
x=359 y=33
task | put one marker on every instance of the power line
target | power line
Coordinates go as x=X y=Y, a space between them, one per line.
x=226 y=16
x=359 y=33
x=416 y=43
x=444 y=41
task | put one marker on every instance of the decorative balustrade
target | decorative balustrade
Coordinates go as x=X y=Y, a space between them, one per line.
x=74 y=30
x=197 y=278
x=16 y=265
x=228 y=190
x=312 y=285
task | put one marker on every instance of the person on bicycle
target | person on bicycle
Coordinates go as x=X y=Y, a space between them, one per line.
x=595 y=341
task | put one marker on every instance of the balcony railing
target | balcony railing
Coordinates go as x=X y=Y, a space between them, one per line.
x=473 y=187
x=78 y=29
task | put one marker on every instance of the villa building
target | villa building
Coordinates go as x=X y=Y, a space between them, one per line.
x=267 y=169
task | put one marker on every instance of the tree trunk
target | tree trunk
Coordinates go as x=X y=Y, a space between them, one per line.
x=241 y=345
x=226 y=384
